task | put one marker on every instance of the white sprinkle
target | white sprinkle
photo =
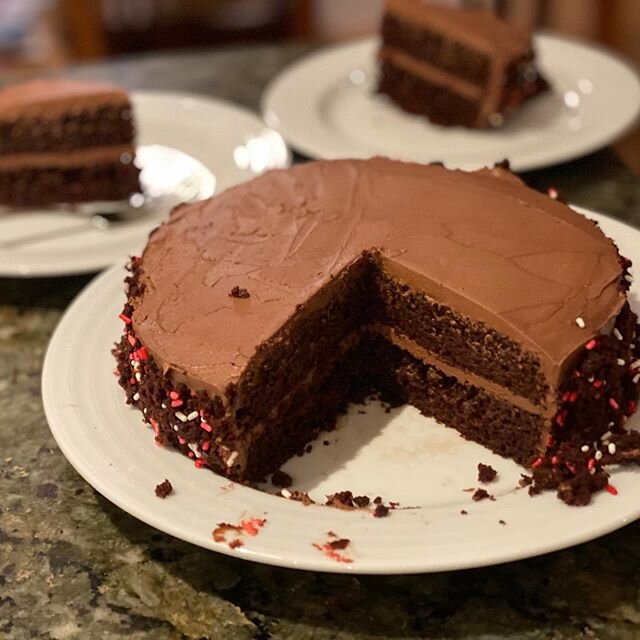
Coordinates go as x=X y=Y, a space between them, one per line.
x=612 y=448
x=598 y=455
x=628 y=277
x=285 y=493
x=610 y=424
x=605 y=436
x=592 y=471
x=632 y=346
x=621 y=362
x=138 y=376
x=580 y=322
x=163 y=405
x=591 y=378
x=194 y=447
x=175 y=427
x=192 y=416
x=232 y=458
x=635 y=364
x=144 y=410
x=136 y=396
x=584 y=448
x=636 y=378
x=617 y=333
x=180 y=416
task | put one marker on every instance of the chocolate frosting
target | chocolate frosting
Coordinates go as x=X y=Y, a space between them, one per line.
x=481 y=242
x=48 y=98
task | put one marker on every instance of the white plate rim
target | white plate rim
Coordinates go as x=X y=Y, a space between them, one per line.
x=298 y=137
x=58 y=359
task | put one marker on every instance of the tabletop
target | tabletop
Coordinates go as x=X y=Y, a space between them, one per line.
x=72 y=565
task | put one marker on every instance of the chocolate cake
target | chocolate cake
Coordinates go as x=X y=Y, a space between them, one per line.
x=65 y=141
x=456 y=66
x=497 y=310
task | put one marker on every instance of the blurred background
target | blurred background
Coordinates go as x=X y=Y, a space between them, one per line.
x=43 y=34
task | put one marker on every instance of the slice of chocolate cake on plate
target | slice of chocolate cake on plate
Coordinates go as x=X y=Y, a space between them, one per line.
x=462 y=67
x=255 y=317
x=65 y=141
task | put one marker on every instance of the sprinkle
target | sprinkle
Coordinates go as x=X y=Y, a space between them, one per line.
x=554 y=459
x=605 y=436
x=125 y=319
x=598 y=383
x=199 y=463
x=180 y=416
x=145 y=410
x=174 y=395
x=132 y=380
x=621 y=362
x=232 y=458
x=610 y=424
x=636 y=378
x=206 y=427
x=591 y=344
x=175 y=427
x=592 y=471
x=628 y=277
x=163 y=405
x=140 y=354
x=176 y=403
x=194 y=447
x=285 y=493
x=552 y=192
x=536 y=463
x=591 y=464
x=205 y=445
x=252 y=527
x=617 y=333
x=635 y=364
x=580 y=322
x=632 y=407
x=550 y=441
x=138 y=376
x=181 y=440
x=191 y=454
x=132 y=340
x=613 y=404
x=598 y=455
x=192 y=416
x=612 y=448
x=136 y=396
x=571 y=467
x=584 y=448
x=612 y=490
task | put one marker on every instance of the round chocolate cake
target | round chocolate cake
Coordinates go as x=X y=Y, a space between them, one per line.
x=255 y=317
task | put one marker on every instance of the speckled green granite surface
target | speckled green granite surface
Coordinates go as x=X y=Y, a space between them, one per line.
x=74 y=566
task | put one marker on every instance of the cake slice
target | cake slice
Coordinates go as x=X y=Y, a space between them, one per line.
x=254 y=318
x=462 y=67
x=65 y=141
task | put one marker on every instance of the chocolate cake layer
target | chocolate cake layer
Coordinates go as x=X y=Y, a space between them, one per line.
x=456 y=66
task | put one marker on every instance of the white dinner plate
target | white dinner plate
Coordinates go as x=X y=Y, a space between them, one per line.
x=400 y=456
x=220 y=145
x=326 y=106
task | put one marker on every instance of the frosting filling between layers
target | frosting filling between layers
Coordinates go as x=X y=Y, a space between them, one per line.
x=79 y=158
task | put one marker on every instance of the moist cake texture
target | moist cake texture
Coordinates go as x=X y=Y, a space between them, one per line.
x=65 y=141
x=456 y=66
x=481 y=302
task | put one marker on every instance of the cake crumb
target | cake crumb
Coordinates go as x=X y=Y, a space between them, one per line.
x=463 y=512
x=296 y=496
x=486 y=473
x=502 y=522
x=481 y=494
x=281 y=479
x=332 y=548
x=381 y=511
x=235 y=543
x=339 y=544
x=250 y=527
x=239 y=292
x=361 y=501
x=164 y=489
x=525 y=480
x=326 y=443
x=377 y=500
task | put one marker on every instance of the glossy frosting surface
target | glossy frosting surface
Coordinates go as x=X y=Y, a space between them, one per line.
x=481 y=242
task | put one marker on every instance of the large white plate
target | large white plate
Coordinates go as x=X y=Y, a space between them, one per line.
x=400 y=456
x=326 y=106
x=229 y=144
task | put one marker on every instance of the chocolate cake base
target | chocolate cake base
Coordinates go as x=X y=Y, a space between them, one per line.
x=43 y=186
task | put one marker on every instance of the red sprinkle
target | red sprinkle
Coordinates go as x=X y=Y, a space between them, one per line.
x=191 y=454
x=591 y=464
x=132 y=340
x=614 y=404
x=554 y=460
x=592 y=344
x=331 y=553
x=176 y=403
x=597 y=383
x=181 y=440
x=550 y=441
x=252 y=527
x=612 y=490
x=571 y=467
x=632 y=407
x=536 y=463
x=552 y=193
x=140 y=354
x=125 y=319
x=205 y=445
x=154 y=424
x=174 y=395
x=207 y=427
x=199 y=463
x=132 y=380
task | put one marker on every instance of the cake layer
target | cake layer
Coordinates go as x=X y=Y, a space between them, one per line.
x=42 y=186
x=86 y=127
x=121 y=154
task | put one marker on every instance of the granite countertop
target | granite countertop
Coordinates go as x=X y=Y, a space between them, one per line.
x=72 y=565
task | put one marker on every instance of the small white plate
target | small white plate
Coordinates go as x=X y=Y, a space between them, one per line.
x=400 y=456
x=326 y=106
x=181 y=138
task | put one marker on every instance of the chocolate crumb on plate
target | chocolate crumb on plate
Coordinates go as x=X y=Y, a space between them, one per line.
x=463 y=512
x=296 y=496
x=502 y=522
x=525 y=480
x=281 y=479
x=341 y=543
x=377 y=500
x=164 y=489
x=239 y=292
x=486 y=473
x=234 y=544
x=381 y=511
x=481 y=494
